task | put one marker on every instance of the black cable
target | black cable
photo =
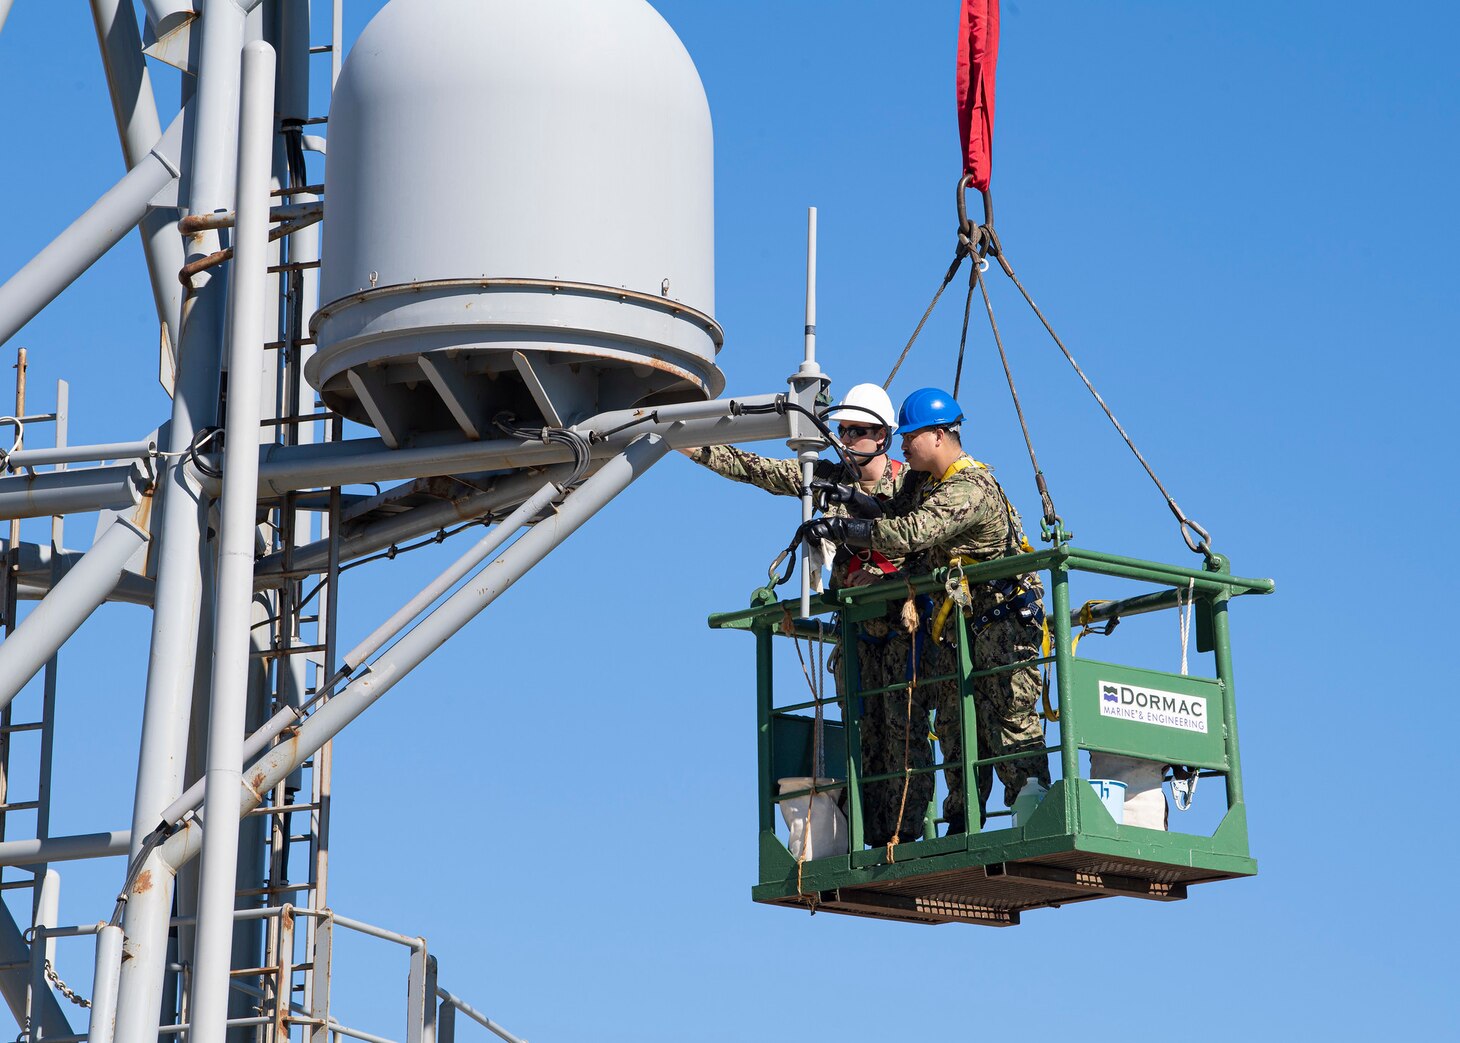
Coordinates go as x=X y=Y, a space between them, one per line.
x=958 y=256
x=202 y=438
x=1203 y=544
x=973 y=277
x=394 y=551
x=1051 y=519
x=582 y=451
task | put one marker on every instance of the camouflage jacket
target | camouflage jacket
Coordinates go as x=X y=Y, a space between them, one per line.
x=783 y=478
x=966 y=515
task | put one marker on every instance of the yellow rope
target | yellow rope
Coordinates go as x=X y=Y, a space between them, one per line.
x=912 y=650
x=1049 y=713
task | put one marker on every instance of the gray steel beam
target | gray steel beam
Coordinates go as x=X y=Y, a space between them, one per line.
x=76 y=454
x=504 y=492
x=213 y=117
x=103 y=1023
x=64 y=849
x=139 y=128
x=73 y=492
x=237 y=532
x=154 y=875
x=91 y=235
x=70 y=603
x=38 y=576
x=358 y=461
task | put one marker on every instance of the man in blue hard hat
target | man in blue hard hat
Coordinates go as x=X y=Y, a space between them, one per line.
x=893 y=731
x=952 y=511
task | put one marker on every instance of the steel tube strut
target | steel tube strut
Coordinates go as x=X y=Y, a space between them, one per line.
x=138 y=126
x=405 y=655
x=237 y=533
x=103 y=1022
x=314 y=557
x=78 y=594
x=365 y=460
x=64 y=849
x=91 y=235
x=178 y=601
x=488 y=544
x=73 y=492
x=75 y=454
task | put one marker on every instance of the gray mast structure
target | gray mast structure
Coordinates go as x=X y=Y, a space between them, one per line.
x=525 y=335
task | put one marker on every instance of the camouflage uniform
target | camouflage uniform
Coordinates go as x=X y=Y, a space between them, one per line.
x=966 y=515
x=890 y=735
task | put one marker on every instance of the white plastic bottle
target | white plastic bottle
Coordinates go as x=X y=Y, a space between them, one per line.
x=1027 y=800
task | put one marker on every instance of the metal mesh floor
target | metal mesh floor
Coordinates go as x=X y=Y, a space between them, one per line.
x=994 y=895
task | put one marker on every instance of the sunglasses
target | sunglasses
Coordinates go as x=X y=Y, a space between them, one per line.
x=850 y=432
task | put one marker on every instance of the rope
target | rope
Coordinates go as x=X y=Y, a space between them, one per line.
x=1201 y=545
x=1184 y=613
x=1051 y=519
x=958 y=256
x=912 y=650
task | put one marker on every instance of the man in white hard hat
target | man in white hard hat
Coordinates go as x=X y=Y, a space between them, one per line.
x=894 y=731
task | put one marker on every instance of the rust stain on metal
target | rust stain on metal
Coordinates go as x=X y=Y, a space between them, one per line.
x=142 y=516
x=255 y=783
x=143 y=883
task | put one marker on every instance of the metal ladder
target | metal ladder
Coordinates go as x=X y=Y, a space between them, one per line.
x=38 y=720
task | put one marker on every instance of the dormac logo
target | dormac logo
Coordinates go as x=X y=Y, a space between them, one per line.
x=1152 y=706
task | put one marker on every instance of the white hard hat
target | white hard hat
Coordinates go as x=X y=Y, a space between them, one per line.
x=871 y=401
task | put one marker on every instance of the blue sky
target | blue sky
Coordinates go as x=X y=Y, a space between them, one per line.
x=1236 y=215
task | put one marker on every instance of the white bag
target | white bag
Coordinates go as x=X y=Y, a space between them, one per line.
x=1145 y=801
x=819 y=814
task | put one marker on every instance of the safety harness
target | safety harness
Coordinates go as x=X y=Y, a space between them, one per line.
x=1015 y=600
x=871 y=561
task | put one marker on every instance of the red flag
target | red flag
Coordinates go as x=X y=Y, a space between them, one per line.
x=978 y=54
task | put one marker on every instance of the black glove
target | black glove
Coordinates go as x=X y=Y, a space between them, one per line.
x=860 y=504
x=855 y=533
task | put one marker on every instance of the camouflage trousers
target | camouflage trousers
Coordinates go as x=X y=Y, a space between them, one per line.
x=894 y=728
x=1006 y=707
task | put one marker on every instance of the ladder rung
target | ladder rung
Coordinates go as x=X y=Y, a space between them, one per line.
x=283 y=809
x=25 y=805
x=282 y=889
x=30 y=726
x=16 y=885
x=322 y=48
x=280 y=653
x=293 y=266
x=252 y=972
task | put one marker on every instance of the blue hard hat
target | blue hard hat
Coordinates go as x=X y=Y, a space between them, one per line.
x=928 y=407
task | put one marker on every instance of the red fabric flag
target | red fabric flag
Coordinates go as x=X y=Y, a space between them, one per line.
x=978 y=55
